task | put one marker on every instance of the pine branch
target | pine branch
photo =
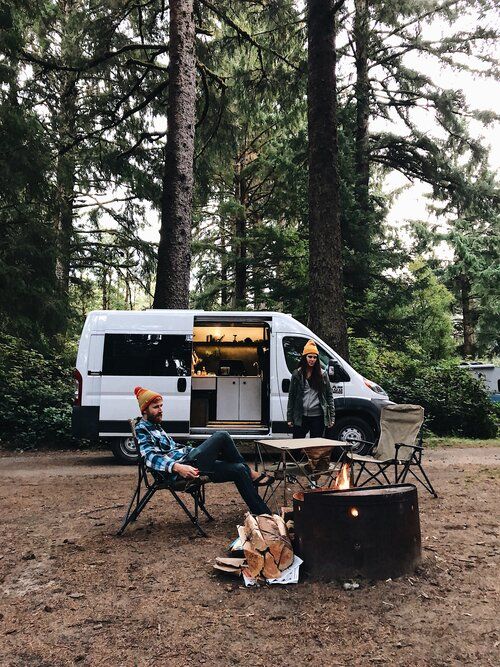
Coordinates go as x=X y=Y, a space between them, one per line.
x=151 y=96
x=94 y=62
x=247 y=36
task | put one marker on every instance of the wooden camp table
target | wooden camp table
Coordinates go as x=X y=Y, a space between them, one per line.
x=292 y=465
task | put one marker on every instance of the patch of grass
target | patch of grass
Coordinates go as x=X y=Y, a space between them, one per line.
x=432 y=442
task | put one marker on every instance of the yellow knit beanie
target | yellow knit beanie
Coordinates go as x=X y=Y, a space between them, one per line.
x=145 y=397
x=310 y=348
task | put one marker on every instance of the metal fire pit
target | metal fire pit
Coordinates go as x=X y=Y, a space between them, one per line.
x=369 y=532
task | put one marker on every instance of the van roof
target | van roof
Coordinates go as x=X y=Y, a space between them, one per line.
x=121 y=320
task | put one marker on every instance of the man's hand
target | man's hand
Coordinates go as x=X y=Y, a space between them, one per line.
x=188 y=472
x=290 y=424
x=331 y=424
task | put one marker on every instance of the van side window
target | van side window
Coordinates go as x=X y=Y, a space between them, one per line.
x=293 y=346
x=146 y=354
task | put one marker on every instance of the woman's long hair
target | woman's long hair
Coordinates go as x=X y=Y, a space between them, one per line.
x=316 y=379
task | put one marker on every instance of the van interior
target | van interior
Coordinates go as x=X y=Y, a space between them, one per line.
x=230 y=376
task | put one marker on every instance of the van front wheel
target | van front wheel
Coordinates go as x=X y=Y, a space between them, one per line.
x=124 y=449
x=352 y=428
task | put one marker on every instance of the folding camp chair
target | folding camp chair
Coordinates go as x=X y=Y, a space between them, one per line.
x=395 y=451
x=150 y=481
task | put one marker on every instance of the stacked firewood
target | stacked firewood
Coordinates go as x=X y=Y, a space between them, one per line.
x=266 y=545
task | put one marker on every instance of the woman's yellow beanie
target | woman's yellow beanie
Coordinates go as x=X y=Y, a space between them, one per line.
x=145 y=397
x=310 y=348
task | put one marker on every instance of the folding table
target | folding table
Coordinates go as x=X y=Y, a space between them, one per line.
x=292 y=465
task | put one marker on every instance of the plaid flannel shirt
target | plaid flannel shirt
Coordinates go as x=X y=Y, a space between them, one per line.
x=157 y=448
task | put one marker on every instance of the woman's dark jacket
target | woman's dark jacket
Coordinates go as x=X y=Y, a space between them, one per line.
x=295 y=407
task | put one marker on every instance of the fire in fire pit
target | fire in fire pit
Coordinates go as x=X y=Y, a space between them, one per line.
x=373 y=532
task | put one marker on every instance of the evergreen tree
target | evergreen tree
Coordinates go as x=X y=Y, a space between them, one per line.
x=174 y=252
x=326 y=293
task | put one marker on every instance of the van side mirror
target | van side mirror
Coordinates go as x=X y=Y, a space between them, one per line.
x=336 y=373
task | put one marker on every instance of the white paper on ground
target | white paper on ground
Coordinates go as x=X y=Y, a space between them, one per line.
x=288 y=576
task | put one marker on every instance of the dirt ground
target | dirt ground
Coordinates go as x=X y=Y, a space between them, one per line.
x=74 y=593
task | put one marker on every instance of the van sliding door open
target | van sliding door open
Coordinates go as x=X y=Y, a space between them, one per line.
x=158 y=357
x=231 y=375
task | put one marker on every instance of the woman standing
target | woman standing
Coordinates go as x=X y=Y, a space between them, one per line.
x=310 y=400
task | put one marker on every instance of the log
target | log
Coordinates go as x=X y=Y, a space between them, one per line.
x=286 y=555
x=280 y=524
x=230 y=565
x=253 y=532
x=275 y=533
x=231 y=562
x=266 y=545
x=254 y=558
x=268 y=527
x=286 y=558
x=271 y=570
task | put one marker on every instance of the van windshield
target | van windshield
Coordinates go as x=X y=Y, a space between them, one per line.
x=293 y=346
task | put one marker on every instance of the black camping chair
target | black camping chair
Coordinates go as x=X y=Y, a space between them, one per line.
x=396 y=451
x=150 y=481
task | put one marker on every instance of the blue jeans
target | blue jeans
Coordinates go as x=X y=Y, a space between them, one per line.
x=219 y=458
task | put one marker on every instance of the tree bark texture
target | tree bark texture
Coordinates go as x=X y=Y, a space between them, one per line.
x=326 y=294
x=65 y=175
x=174 y=252
x=65 y=126
x=240 y=243
x=362 y=91
x=223 y=266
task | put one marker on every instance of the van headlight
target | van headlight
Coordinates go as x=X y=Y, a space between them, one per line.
x=375 y=387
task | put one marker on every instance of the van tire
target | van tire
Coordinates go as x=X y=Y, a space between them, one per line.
x=124 y=450
x=354 y=427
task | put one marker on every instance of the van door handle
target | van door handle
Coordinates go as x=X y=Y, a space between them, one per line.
x=285 y=385
x=181 y=384
x=94 y=373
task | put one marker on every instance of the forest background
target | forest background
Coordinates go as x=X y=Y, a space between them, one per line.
x=86 y=183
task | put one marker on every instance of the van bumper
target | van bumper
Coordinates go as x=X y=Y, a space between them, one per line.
x=85 y=421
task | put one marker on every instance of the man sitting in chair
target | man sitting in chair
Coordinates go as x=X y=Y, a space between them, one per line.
x=217 y=457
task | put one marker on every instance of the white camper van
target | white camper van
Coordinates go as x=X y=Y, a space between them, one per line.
x=215 y=370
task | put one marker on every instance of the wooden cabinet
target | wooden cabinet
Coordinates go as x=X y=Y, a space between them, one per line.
x=239 y=398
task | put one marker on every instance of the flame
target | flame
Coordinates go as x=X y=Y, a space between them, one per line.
x=343 y=476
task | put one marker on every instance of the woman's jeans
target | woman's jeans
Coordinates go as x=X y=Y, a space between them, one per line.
x=316 y=425
x=218 y=458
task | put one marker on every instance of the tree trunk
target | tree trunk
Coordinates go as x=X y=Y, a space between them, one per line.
x=362 y=91
x=65 y=125
x=326 y=295
x=469 y=347
x=65 y=175
x=174 y=252
x=240 y=245
x=223 y=266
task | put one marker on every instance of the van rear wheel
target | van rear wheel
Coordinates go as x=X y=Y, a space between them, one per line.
x=352 y=428
x=124 y=450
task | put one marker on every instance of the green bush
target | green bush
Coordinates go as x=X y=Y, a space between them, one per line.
x=454 y=401
x=37 y=393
